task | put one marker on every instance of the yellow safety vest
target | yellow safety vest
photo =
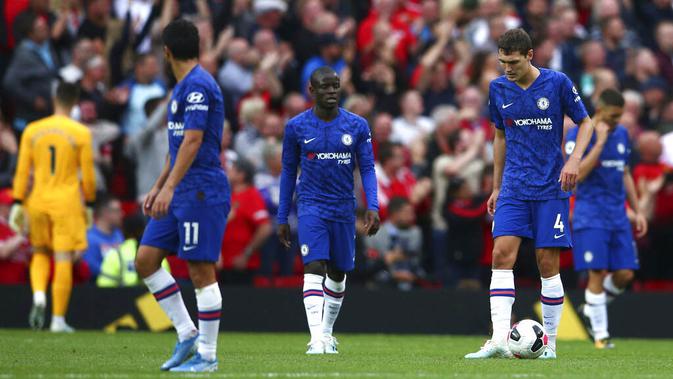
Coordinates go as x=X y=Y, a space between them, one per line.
x=118 y=268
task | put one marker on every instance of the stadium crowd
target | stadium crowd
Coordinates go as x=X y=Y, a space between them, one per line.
x=418 y=70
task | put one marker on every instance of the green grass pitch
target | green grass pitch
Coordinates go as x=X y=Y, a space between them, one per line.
x=263 y=355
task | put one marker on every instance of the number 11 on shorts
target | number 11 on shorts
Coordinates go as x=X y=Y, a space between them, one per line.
x=191 y=233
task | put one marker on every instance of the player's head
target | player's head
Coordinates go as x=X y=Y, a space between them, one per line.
x=181 y=41
x=325 y=86
x=515 y=51
x=610 y=107
x=67 y=95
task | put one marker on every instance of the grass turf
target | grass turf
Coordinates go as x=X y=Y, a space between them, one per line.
x=263 y=355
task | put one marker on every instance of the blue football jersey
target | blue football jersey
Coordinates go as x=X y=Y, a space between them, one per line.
x=532 y=120
x=196 y=103
x=326 y=152
x=600 y=198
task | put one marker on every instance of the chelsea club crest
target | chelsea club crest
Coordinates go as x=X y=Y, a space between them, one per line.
x=543 y=103
x=174 y=106
x=347 y=139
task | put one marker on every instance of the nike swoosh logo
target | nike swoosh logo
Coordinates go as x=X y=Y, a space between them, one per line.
x=187 y=248
x=559 y=236
x=309 y=140
x=505 y=106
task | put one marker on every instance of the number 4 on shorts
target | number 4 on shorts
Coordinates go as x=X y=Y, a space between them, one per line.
x=558 y=224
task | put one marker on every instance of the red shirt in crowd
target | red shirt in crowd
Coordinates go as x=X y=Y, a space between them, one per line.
x=663 y=211
x=15 y=269
x=248 y=212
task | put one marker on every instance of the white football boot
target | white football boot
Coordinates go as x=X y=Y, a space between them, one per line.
x=316 y=347
x=491 y=350
x=330 y=344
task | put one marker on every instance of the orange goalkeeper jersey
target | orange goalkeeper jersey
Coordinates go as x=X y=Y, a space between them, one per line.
x=57 y=150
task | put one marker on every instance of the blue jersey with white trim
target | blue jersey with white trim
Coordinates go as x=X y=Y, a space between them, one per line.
x=326 y=152
x=532 y=120
x=196 y=103
x=600 y=198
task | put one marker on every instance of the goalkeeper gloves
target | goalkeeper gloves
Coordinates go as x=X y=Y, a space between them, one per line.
x=17 y=218
x=89 y=217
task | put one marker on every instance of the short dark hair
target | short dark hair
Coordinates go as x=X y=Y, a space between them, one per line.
x=515 y=40
x=140 y=58
x=396 y=204
x=67 y=94
x=320 y=72
x=611 y=97
x=103 y=201
x=387 y=151
x=248 y=169
x=182 y=39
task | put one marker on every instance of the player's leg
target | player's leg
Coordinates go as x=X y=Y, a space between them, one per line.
x=342 y=260
x=511 y=222
x=623 y=262
x=201 y=232
x=40 y=264
x=551 y=234
x=314 y=248
x=590 y=253
x=160 y=238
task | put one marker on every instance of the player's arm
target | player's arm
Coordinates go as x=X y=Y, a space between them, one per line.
x=365 y=157
x=498 y=167
x=591 y=159
x=189 y=147
x=17 y=220
x=156 y=188
x=632 y=198
x=572 y=105
x=288 y=181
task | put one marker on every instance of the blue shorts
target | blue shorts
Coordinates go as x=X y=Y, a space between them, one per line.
x=602 y=249
x=321 y=239
x=195 y=234
x=544 y=221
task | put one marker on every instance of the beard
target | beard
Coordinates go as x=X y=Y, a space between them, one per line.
x=171 y=80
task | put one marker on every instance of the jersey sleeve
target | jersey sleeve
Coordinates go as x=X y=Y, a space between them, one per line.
x=496 y=119
x=197 y=104
x=571 y=140
x=87 y=168
x=571 y=101
x=259 y=215
x=20 y=184
x=365 y=156
x=288 y=176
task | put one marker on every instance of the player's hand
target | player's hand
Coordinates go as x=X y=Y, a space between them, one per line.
x=17 y=219
x=570 y=173
x=372 y=222
x=162 y=202
x=149 y=201
x=492 y=200
x=641 y=225
x=89 y=217
x=284 y=235
x=241 y=262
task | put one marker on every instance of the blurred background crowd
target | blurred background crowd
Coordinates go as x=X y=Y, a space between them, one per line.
x=417 y=70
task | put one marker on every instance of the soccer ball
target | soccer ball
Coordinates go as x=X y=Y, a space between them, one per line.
x=527 y=339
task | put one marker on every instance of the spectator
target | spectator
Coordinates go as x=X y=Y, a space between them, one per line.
x=464 y=212
x=268 y=184
x=293 y=105
x=103 y=133
x=411 y=124
x=9 y=150
x=330 y=55
x=236 y=75
x=95 y=24
x=149 y=147
x=109 y=104
x=14 y=248
x=382 y=129
x=144 y=85
x=398 y=245
x=31 y=74
x=248 y=225
x=81 y=53
x=249 y=142
x=664 y=53
x=105 y=234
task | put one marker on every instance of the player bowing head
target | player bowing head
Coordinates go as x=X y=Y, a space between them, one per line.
x=531 y=182
x=326 y=142
x=515 y=52
x=610 y=108
x=189 y=203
